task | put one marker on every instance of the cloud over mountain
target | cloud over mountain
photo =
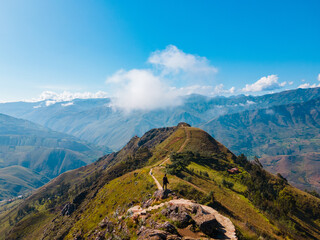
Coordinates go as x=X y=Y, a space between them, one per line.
x=268 y=83
x=53 y=97
x=68 y=96
x=172 y=74
x=141 y=89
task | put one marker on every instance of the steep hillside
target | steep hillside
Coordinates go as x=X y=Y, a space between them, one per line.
x=96 y=121
x=287 y=132
x=40 y=151
x=112 y=198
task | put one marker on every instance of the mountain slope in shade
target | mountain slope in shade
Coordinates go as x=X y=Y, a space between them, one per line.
x=15 y=180
x=92 y=202
x=41 y=151
x=96 y=121
x=286 y=137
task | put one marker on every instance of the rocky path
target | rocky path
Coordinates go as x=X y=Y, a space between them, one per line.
x=229 y=231
x=227 y=225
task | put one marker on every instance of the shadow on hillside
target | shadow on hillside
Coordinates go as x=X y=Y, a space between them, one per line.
x=222 y=209
x=220 y=233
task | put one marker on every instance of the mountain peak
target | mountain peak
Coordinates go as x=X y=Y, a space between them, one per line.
x=183 y=124
x=104 y=195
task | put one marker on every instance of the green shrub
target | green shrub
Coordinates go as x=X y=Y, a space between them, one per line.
x=227 y=184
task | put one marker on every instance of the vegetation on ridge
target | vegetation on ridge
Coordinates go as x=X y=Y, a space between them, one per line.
x=253 y=199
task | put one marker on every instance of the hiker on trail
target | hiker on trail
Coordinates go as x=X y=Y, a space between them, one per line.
x=165 y=182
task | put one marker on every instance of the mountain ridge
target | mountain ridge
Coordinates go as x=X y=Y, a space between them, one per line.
x=100 y=118
x=92 y=201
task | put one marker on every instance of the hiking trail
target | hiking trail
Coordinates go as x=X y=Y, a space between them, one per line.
x=228 y=227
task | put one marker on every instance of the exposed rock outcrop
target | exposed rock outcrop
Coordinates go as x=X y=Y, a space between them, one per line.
x=162 y=194
x=155 y=234
x=178 y=214
x=207 y=223
x=68 y=209
x=168 y=227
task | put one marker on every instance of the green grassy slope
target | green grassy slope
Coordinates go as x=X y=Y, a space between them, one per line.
x=37 y=149
x=258 y=203
x=18 y=179
x=291 y=132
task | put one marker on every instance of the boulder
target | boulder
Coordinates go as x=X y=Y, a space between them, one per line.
x=207 y=223
x=197 y=209
x=152 y=234
x=108 y=225
x=68 y=209
x=147 y=203
x=162 y=194
x=155 y=234
x=168 y=227
x=182 y=219
x=178 y=214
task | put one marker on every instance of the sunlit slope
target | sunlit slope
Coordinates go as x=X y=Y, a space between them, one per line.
x=285 y=137
x=259 y=204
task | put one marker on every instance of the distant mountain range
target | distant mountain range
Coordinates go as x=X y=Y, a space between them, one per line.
x=31 y=155
x=283 y=124
x=95 y=121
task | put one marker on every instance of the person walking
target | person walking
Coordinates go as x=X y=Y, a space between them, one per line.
x=165 y=182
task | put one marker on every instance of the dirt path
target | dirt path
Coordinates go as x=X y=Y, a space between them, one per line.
x=168 y=158
x=156 y=181
x=228 y=226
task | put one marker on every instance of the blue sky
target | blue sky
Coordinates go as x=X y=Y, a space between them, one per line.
x=78 y=46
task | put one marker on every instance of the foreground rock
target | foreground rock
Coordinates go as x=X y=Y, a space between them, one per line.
x=155 y=234
x=207 y=224
x=162 y=194
x=184 y=214
x=178 y=214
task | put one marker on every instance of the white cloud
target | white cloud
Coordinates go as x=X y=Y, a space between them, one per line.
x=173 y=60
x=67 y=104
x=219 y=90
x=250 y=102
x=268 y=83
x=270 y=111
x=172 y=74
x=319 y=77
x=52 y=97
x=140 y=89
x=50 y=102
x=308 y=85
x=38 y=106
x=205 y=90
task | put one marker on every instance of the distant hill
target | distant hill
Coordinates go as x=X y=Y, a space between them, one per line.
x=286 y=137
x=95 y=120
x=40 y=151
x=15 y=180
x=100 y=200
